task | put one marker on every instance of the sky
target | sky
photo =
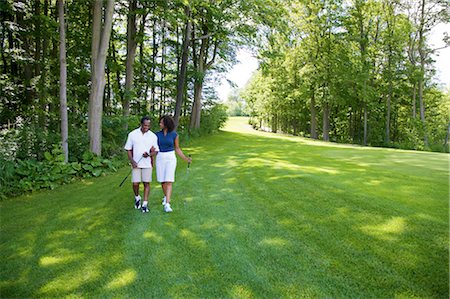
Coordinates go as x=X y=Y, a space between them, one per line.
x=247 y=64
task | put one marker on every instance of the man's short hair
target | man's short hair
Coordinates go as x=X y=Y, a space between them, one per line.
x=144 y=119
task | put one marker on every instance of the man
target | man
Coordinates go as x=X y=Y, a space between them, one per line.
x=141 y=145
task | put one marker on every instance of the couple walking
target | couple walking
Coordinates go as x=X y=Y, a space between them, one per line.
x=142 y=145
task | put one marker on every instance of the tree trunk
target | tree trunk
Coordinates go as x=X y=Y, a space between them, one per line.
x=326 y=122
x=119 y=85
x=162 y=97
x=100 y=41
x=201 y=66
x=422 y=55
x=181 y=79
x=43 y=71
x=131 y=54
x=37 y=36
x=107 y=103
x=365 y=124
x=388 y=114
x=197 y=106
x=153 y=76
x=422 y=112
x=27 y=66
x=414 y=102
x=63 y=82
x=313 y=114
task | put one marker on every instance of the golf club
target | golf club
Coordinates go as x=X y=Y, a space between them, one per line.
x=187 y=173
x=187 y=169
x=130 y=172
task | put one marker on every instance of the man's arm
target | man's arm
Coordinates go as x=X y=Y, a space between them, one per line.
x=130 y=158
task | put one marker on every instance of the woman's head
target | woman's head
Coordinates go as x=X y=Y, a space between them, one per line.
x=166 y=122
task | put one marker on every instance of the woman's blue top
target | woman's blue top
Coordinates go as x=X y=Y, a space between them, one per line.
x=166 y=143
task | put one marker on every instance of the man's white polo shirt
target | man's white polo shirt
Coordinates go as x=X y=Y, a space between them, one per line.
x=141 y=143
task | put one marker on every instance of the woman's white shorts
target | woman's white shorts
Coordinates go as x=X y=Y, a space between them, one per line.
x=166 y=163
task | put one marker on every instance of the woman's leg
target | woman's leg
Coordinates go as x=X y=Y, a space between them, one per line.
x=163 y=187
x=168 y=192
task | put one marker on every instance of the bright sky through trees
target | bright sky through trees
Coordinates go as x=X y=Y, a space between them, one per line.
x=242 y=71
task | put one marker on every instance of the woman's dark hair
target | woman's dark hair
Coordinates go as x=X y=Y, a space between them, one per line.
x=144 y=119
x=168 y=122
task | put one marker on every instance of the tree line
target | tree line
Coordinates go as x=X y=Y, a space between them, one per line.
x=357 y=71
x=78 y=72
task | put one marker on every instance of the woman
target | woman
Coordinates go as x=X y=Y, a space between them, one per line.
x=166 y=161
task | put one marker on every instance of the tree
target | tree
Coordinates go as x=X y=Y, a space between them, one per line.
x=63 y=81
x=181 y=78
x=131 y=54
x=100 y=42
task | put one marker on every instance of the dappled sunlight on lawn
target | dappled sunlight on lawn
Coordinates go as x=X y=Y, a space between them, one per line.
x=68 y=282
x=155 y=237
x=275 y=242
x=241 y=291
x=64 y=257
x=124 y=278
x=389 y=230
x=192 y=239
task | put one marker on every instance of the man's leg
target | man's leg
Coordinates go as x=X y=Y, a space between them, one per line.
x=136 y=178
x=146 y=178
x=136 y=189
x=146 y=193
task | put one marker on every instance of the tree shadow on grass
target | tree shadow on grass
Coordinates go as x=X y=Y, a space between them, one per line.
x=64 y=242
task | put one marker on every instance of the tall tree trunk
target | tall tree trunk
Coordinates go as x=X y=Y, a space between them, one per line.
x=107 y=103
x=201 y=66
x=142 y=68
x=43 y=69
x=119 y=85
x=37 y=36
x=153 y=72
x=365 y=124
x=423 y=57
x=63 y=82
x=100 y=41
x=197 y=106
x=326 y=122
x=181 y=79
x=388 y=113
x=422 y=112
x=414 y=102
x=162 y=97
x=313 y=114
x=28 y=72
x=131 y=54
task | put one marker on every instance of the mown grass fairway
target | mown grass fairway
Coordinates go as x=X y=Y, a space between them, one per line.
x=259 y=215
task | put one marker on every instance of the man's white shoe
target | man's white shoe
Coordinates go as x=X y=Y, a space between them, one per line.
x=164 y=201
x=167 y=208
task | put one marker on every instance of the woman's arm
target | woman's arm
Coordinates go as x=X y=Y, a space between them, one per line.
x=180 y=152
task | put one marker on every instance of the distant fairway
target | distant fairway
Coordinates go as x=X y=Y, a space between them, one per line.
x=259 y=215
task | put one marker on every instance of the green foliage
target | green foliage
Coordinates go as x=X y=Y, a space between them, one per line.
x=212 y=119
x=30 y=174
x=347 y=71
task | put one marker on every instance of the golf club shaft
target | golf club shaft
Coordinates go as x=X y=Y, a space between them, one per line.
x=130 y=172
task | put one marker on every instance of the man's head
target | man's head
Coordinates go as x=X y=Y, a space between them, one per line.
x=145 y=124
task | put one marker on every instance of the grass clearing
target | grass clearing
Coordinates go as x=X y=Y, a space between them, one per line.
x=259 y=215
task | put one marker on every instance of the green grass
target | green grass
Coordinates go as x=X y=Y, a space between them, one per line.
x=259 y=216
